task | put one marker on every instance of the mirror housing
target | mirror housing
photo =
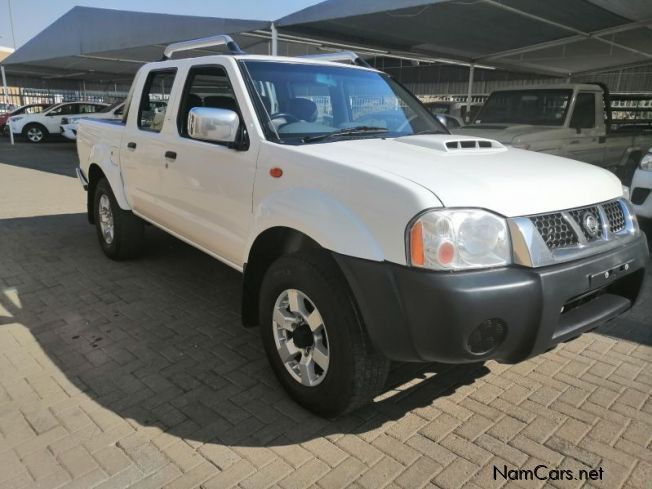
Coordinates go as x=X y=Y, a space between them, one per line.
x=214 y=125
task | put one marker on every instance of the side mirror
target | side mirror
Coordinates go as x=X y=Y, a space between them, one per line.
x=210 y=124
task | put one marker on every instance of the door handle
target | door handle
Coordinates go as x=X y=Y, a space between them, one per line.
x=171 y=155
x=131 y=145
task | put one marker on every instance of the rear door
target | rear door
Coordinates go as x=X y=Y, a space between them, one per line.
x=209 y=185
x=143 y=145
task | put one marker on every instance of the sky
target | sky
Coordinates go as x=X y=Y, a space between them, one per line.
x=32 y=16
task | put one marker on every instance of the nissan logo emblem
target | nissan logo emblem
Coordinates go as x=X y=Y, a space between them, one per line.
x=591 y=224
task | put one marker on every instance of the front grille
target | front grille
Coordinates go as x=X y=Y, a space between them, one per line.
x=554 y=230
x=615 y=216
x=579 y=214
x=557 y=232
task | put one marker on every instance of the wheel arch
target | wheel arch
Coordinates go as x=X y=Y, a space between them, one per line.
x=111 y=172
x=268 y=246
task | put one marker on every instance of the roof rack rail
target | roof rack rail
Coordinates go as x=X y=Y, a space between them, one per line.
x=204 y=42
x=340 y=56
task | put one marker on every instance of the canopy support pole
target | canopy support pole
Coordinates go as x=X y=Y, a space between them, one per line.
x=469 y=94
x=5 y=91
x=274 y=40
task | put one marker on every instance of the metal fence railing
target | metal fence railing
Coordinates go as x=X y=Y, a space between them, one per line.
x=22 y=96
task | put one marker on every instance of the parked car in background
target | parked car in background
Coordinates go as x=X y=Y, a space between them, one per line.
x=571 y=120
x=111 y=112
x=364 y=230
x=25 y=109
x=642 y=188
x=37 y=127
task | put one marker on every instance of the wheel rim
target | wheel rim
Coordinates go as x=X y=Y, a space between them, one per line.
x=301 y=338
x=34 y=134
x=106 y=219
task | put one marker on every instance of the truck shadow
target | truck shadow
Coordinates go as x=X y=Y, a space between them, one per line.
x=159 y=340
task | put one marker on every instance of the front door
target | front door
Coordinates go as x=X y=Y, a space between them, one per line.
x=209 y=185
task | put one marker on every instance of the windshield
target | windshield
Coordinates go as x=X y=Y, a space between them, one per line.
x=536 y=107
x=298 y=103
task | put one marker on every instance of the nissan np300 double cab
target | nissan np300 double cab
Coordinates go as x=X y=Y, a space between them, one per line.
x=364 y=230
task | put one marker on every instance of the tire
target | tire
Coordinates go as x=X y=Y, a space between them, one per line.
x=35 y=133
x=120 y=232
x=354 y=372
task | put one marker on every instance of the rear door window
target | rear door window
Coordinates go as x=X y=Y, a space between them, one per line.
x=154 y=101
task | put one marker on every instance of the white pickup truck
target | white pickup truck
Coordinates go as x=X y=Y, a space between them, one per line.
x=365 y=232
x=579 y=121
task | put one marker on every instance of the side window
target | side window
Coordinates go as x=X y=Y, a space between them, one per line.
x=584 y=113
x=153 y=103
x=71 y=109
x=119 y=110
x=206 y=86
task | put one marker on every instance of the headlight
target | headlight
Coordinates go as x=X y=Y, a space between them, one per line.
x=646 y=162
x=15 y=118
x=458 y=239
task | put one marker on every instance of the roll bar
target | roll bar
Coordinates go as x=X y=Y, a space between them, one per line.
x=340 y=56
x=204 y=42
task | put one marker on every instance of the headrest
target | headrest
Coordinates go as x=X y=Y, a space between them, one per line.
x=304 y=109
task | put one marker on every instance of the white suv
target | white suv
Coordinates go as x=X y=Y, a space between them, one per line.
x=37 y=127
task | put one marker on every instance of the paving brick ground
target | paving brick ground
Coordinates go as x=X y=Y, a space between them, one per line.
x=138 y=374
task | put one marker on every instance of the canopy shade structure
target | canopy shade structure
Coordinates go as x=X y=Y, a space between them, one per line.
x=554 y=37
x=110 y=45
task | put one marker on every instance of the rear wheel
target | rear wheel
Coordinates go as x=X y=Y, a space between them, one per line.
x=314 y=339
x=120 y=232
x=35 y=133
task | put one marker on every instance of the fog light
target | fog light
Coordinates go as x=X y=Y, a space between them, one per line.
x=488 y=335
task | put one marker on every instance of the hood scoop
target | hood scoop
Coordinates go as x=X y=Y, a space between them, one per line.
x=454 y=144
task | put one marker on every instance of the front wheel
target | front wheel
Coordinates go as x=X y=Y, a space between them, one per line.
x=120 y=232
x=35 y=133
x=315 y=342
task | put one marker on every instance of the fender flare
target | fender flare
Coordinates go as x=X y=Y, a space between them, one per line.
x=105 y=158
x=320 y=217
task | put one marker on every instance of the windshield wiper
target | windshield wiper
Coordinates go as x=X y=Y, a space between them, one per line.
x=350 y=131
x=428 y=131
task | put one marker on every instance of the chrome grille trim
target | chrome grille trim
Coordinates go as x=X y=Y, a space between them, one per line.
x=618 y=226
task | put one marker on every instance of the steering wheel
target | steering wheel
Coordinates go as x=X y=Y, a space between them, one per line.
x=290 y=118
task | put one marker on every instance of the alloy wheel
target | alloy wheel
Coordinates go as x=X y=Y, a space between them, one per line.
x=301 y=338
